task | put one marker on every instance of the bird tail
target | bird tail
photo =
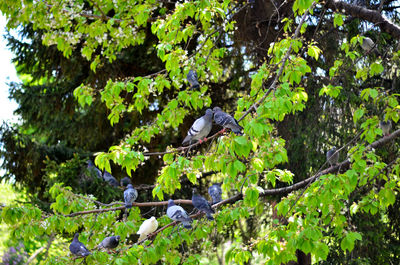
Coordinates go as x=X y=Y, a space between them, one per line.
x=209 y=216
x=187 y=140
x=238 y=130
x=128 y=206
x=187 y=224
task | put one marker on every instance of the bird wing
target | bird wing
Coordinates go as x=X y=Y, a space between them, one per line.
x=177 y=213
x=197 y=126
x=144 y=227
x=224 y=119
x=202 y=204
x=128 y=196
x=192 y=78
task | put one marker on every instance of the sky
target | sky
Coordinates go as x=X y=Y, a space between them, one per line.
x=7 y=75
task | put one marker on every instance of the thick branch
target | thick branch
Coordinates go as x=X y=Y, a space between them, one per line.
x=34 y=255
x=343 y=165
x=366 y=14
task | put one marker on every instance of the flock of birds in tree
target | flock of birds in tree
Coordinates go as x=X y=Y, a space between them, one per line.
x=197 y=133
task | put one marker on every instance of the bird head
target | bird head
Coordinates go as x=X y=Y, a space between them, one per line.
x=209 y=112
x=152 y=219
x=129 y=186
x=117 y=238
x=171 y=202
x=195 y=191
x=215 y=109
x=76 y=236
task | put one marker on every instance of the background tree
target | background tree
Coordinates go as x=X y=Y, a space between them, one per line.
x=107 y=79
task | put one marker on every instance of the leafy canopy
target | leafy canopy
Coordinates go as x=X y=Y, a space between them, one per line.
x=296 y=93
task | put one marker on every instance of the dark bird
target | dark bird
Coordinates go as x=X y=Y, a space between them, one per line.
x=109 y=242
x=227 y=121
x=215 y=192
x=200 y=203
x=332 y=156
x=200 y=128
x=92 y=168
x=177 y=213
x=192 y=79
x=78 y=248
x=130 y=195
x=385 y=126
x=125 y=181
x=110 y=179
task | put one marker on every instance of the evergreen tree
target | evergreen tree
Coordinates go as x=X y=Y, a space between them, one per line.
x=107 y=80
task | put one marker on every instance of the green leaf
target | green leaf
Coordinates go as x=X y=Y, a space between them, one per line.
x=251 y=197
x=314 y=52
x=358 y=114
x=375 y=69
x=338 y=20
x=348 y=241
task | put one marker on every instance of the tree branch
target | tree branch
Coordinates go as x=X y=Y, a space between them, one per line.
x=239 y=196
x=34 y=255
x=370 y=15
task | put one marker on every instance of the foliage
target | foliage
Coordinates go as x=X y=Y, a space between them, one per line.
x=114 y=86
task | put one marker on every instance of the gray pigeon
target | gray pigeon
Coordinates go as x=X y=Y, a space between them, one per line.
x=202 y=204
x=332 y=156
x=192 y=78
x=110 y=179
x=215 y=192
x=125 y=181
x=109 y=242
x=200 y=128
x=91 y=167
x=385 y=127
x=130 y=195
x=78 y=248
x=227 y=121
x=177 y=213
x=368 y=46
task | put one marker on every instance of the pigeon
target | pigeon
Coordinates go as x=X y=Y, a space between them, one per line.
x=368 y=45
x=91 y=167
x=148 y=226
x=226 y=121
x=177 y=213
x=109 y=242
x=192 y=78
x=110 y=179
x=125 y=181
x=215 y=193
x=332 y=156
x=130 y=195
x=78 y=248
x=200 y=128
x=202 y=204
x=385 y=127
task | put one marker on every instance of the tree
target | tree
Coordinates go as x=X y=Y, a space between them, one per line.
x=294 y=75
